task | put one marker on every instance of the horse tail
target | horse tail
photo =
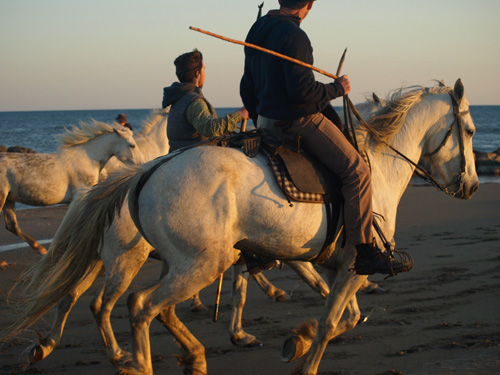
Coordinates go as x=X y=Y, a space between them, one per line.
x=74 y=249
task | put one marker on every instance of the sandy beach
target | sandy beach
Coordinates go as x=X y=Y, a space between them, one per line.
x=443 y=317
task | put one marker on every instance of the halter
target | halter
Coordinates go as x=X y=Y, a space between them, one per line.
x=421 y=172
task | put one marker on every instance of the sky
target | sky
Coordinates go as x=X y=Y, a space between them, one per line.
x=118 y=54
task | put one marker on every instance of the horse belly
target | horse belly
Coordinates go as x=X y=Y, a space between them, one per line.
x=217 y=197
x=283 y=231
x=35 y=179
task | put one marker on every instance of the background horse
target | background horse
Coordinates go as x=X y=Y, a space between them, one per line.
x=240 y=201
x=49 y=179
x=151 y=140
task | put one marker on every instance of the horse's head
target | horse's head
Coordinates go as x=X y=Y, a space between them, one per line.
x=448 y=152
x=125 y=149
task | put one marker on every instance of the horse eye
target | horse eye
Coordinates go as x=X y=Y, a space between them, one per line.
x=470 y=132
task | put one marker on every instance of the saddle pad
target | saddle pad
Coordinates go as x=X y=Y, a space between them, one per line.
x=304 y=171
x=285 y=182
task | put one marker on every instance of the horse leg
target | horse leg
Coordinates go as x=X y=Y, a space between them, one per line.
x=46 y=345
x=300 y=343
x=309 y=274
x=171 y=289
x=196 y=304
x=279 y=295
x=369 y=287
x=9 y=210
x=119 y=275
x=238 y=336
x=193 y=355
x=342 y=295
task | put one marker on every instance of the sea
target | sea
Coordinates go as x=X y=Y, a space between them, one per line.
x=38 y=130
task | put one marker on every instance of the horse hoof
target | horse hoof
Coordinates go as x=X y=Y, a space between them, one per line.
x=4 y=265
x=254 y=344
x=282 y=298
x=40 y=249
x=362 y=319
x=198 y=308
x=291 y=349
x=377 y=290
x=241 y=343
x=35 y=353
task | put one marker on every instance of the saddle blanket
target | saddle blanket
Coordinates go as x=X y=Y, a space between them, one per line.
x=285 y=181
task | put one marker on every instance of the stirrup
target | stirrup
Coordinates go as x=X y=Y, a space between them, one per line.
x=404 y=259
x=392 y=263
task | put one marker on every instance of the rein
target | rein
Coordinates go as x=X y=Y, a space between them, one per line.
x=421 y=172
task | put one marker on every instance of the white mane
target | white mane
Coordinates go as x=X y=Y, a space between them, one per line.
x=387 y=121
x=154 y=118
x=84 y=133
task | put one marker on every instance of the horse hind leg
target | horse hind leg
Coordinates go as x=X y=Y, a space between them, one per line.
x=119 y=276
x=197 y=305
x=161 y=297
x=277 y=294
x=44 y=347
x=193 y=357
x=238 y=336
x=308 y=273
x=9 y=210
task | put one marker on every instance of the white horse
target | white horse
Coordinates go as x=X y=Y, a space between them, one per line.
x=123 y=253
x=49 y=179
x=151 y=140
x=195 y=208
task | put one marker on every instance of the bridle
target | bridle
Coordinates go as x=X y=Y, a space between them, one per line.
x=421 y=172
x=459 y=121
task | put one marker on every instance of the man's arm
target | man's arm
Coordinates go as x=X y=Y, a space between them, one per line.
x=198 y=114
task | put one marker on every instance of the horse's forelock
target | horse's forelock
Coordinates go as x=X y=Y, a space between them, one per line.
x=85 y=132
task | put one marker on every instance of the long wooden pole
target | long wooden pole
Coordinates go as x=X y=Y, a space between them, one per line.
x=250 y=45
x=217 y=298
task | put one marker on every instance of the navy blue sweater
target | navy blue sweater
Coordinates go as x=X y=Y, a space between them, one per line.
x=276 y=88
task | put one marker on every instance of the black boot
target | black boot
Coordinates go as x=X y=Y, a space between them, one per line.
x=370 y=259
x=256 y=264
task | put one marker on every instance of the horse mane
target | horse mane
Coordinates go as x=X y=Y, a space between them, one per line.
x=153 y=119
x=389 y=118
x=86 y=131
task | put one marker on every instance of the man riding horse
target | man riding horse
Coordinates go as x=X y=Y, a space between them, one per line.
x=283 y=97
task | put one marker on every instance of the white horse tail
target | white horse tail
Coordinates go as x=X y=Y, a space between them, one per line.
x=74 y=249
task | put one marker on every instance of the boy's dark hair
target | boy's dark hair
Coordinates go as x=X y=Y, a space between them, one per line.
x=293 y=4
x=187 y=64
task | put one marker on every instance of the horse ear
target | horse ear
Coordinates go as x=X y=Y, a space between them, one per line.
x=117 y=132
x=378 y=100
x=458 y=91
x=441 y=83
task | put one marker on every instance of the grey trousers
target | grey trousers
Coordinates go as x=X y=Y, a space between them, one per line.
x=326 y=142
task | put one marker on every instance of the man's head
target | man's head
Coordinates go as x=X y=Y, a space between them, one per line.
x=298 y=8
x=121 y=119
x=294 y=4
x=189 y=68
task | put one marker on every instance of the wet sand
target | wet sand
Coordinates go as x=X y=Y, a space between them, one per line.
x=441 y=318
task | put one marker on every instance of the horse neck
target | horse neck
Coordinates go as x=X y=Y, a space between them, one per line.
x=97 y=151
x=391 y=174
x=155 y=143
